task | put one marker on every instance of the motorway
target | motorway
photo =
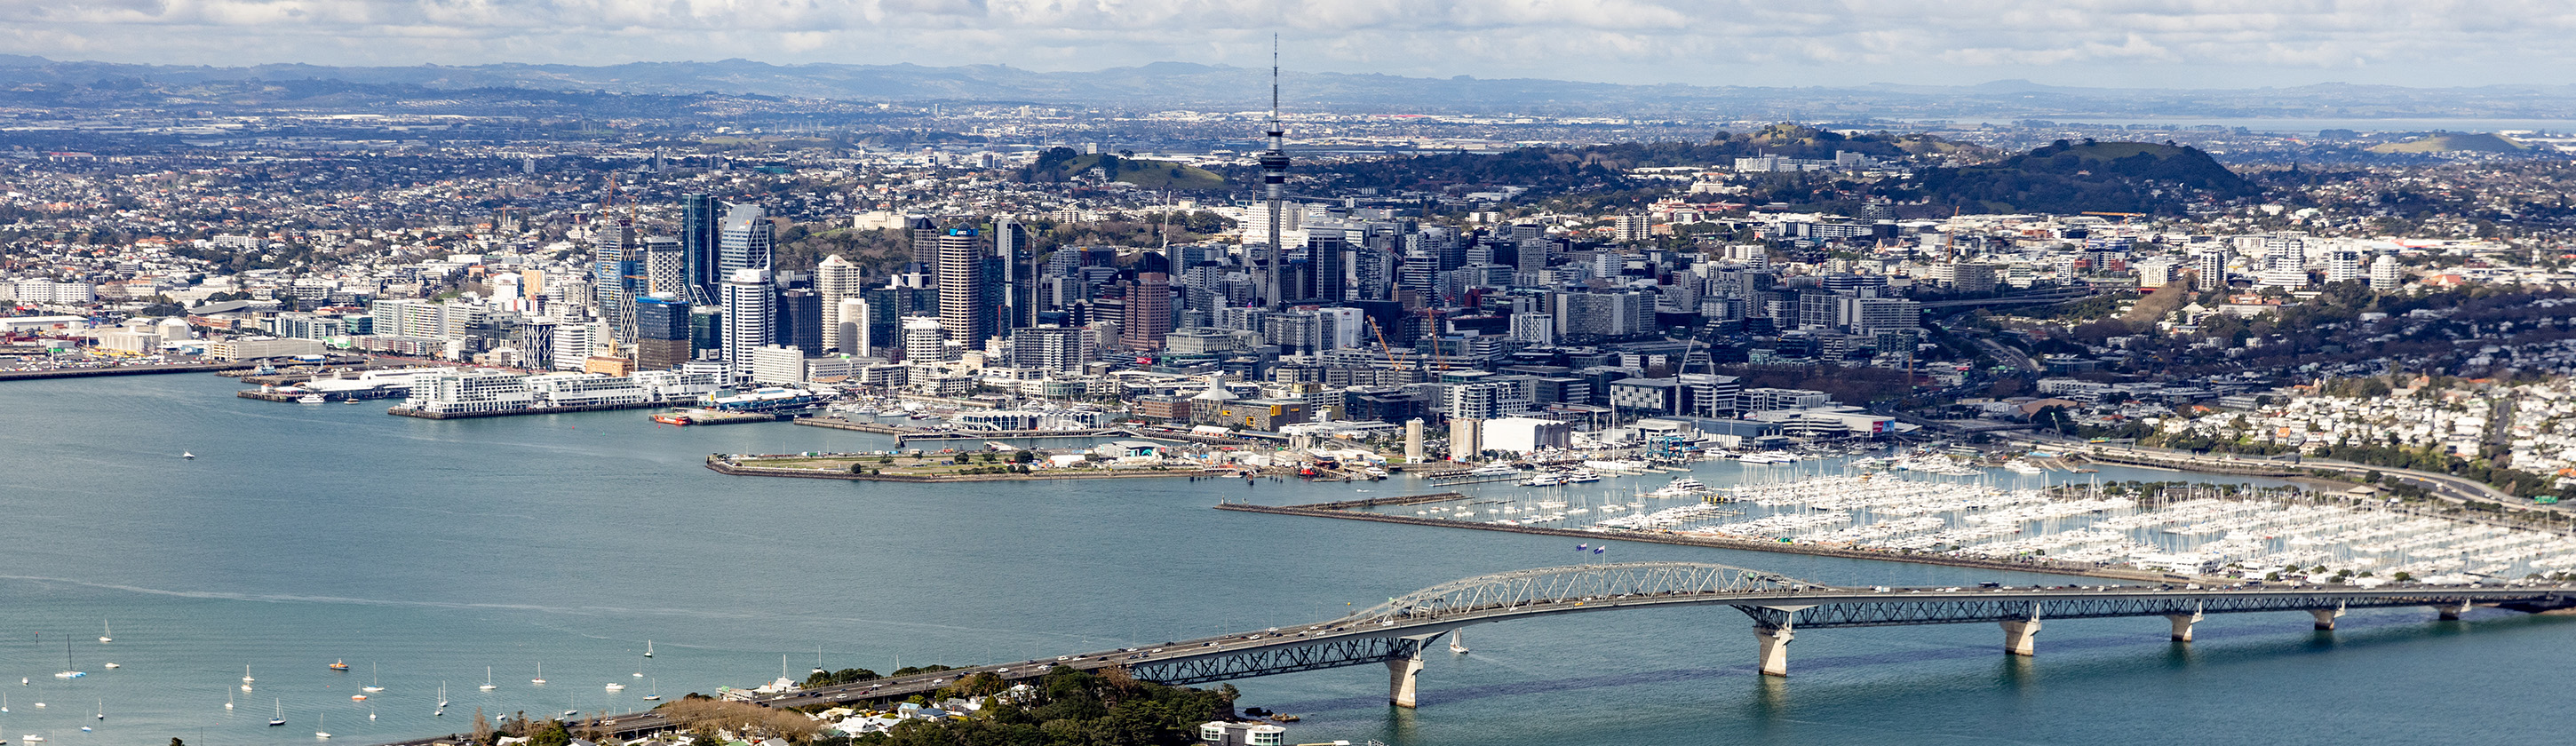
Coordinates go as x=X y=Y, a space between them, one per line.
x=2441 y=486
x=1212 y=654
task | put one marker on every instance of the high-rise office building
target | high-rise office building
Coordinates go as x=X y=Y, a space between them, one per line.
x=1052 y=348
x=742 y=242
x=923 y=340
x=837 y=280
x=925 y=235
x=800 y=321
x=749 y=307
x=698 y=229
x=1325 y=248
x=1010 y=245
x=1149 y=312
x=964 y=306
x=662 y=338
x=666 y=268
x=617 y=276
x=850 y=328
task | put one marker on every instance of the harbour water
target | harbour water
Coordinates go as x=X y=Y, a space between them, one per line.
x=307 y=534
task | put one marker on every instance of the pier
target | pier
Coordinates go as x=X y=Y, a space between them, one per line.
x=124 y=370
x=407 y=412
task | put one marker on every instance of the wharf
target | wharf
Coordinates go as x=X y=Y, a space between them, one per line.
x=123 y=370
x=1450 y=480
x=721 y=465
x=282 y=396
x=1328 y=510
x=903 y=435
x=842 y=424
x=945 y=435
x=516 y=412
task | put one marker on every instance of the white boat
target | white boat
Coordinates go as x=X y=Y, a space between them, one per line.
x=657 y=691
x=31 y=738
x=616 y=687
x=442 y=695
x=246 y=675
x=185 y=454
x=312 y=399
x=487 y=680
x=102 y=709
x=279 y=718
x=319 y=723
x=374 y=684
x=1457 y=643
x=2018 y=466
x=540 y=680
x=1543 y=480
x=648 y=648
x=1581 y=475
x=104 y=631
x=1493 y=471
x=4 y=703
x=68 y=672
x=228 y=702
x=111 y=664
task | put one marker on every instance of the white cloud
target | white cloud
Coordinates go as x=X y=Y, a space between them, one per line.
x=2074 y=42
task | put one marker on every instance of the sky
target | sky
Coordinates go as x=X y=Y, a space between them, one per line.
x=2093 y=43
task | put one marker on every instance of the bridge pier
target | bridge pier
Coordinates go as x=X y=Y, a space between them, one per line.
x=1773 y=646
x=2018 y=636
x=2452 y=612
x=2326 y=617
x=2182 y=625
x=1401 y=676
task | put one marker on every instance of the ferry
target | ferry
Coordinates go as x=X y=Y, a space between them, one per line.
x=1495 y=470
x=310 y=399
x=1580 y=475
x=1543 y=480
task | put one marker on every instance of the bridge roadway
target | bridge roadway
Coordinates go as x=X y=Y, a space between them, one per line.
x=1397 y=633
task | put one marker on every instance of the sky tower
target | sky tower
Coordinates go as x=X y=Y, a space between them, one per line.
x=1274 y=178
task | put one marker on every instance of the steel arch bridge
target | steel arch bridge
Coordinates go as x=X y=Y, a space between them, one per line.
x=1536 y=588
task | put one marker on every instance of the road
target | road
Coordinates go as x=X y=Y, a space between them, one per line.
x=2441 y=486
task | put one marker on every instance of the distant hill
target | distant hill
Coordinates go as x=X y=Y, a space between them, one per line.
x=1061 y=164
x=2069 y=177
x=2453 y=142
x=1605 y=166
x=38 y=81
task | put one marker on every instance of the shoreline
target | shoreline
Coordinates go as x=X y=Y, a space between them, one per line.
x=1314 y=511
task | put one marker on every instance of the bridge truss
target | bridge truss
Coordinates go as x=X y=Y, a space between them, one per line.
x=1558 y=585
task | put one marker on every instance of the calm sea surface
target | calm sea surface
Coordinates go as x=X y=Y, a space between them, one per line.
x=429 y=551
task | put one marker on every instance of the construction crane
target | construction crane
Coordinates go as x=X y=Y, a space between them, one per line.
x=1382 y=346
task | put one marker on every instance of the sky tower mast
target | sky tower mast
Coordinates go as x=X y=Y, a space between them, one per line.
x=1274 y=178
